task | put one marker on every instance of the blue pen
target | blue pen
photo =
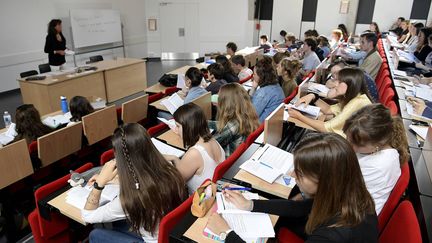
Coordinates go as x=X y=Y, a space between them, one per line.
x=266 y=165
x=237 y=188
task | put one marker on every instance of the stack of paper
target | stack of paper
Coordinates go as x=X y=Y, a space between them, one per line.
x=173 y=103
x=223 y=206
x=9 y=135
x=77 y=196
x=171 y=123
x=420 y=130
x=423 y=93
x=310 y=110
x=318 y=89
x=410 y=111
x=164 y=148
x=399 y=73
x=55 y=121
x=269 y=163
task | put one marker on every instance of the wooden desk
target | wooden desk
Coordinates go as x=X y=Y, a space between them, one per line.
x=66 y=209
x=158 y=104
x=181 y=70
x=113 y=80
x=259 y=184
x=195 y=231
x=172 y=139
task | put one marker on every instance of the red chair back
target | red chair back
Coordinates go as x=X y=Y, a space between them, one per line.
x=106 y=156
x=387 y=96
x=152 y=98
x=170 y=220
x=253 y=136
x=58 y=222
x=119 y=114
x=287 y=236
x=33 y=220
x=171 y=90
x=394 y=110
x=403 y=226
x=384 y=86
x=156 y=129
x=394 y=198
x=246 y=79
x=226 y=164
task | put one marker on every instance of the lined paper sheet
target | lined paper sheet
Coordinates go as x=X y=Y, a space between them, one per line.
x=164 y=148
x=223 y=206
x=77 y=196
x=250 y=225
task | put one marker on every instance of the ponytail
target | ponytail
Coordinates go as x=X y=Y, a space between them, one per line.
x=399 y=140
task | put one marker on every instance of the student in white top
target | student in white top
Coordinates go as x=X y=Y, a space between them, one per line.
x=79 y=106
x=150 y=187
x=381 y=146
x=204 y=152
x=238 y=63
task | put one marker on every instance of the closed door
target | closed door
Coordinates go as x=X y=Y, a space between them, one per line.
x=179 y=27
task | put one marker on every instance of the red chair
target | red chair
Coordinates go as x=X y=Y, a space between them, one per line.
x=152 y=98
x=291 y=96
x=226 y=164
x=246 y=79
x=156 y=129
x=387 y=96
x=106 y=156
x=287 y=236
x=119 y=114
x=253 y=136
x=394 y=198
x=56 y=229
x=403 y=226
x=170 y=220
x=394 y=110
x=171 y=90
x=385 y=86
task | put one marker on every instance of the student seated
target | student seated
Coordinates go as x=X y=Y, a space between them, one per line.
x=79 y=106
x=231 y=48
x=411 y=45
x=193 y=79
x=287 y=71
x=324 y=44
x=310 y=33
x=290 y=43
x=282 y=36
x=229 y=74
x=339 y=64
x=396 y=27
x=215 y=74
x=334 y=204
x=426 y=67
x=423 y=48
x=405 y=32
x=142 y=171
x=28 y=124
x=381 y=146
x=203 y=152
x=351 y=93
x=238 y=64
x=236 y=117
x=344 y=30
x=266 y=93
x=278 y=57
x=265 y=43
x=336 y=37
x=310 y=59
x=373 y=27
x=372 y=61
x=421 y=107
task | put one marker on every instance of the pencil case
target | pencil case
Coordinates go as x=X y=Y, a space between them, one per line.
x=203 y=199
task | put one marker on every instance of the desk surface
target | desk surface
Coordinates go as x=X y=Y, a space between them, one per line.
x=172 y=139
x=156 y=88
x=66 y=209
x=195 y=231
x=158 y=104
x=113 y=64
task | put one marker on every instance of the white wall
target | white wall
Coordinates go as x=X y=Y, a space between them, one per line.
x=387 y=11
x=23 y=32
x=286 y=16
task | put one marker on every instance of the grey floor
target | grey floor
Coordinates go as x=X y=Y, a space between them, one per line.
x=10 y=100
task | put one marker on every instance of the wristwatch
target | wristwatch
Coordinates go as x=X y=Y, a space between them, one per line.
x=223 y=235
x=97 y=187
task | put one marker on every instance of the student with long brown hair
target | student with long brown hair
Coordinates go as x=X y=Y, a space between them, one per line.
x=203 y=152
x=150 y=187
x=79 y=106
x=287 y=71
x=381 y=146
x=336 y=206
x=28 y=124
x=236 y=117
x=350 y=91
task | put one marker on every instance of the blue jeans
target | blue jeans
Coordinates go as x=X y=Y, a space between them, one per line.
x=119 y=233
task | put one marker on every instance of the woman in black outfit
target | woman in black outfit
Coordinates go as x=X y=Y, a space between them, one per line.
x=55 y=43
x=334 y=202
x=423 y=48
x=229 y=75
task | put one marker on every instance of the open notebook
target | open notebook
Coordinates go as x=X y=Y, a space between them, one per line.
x=77 y=196
x=309 y=110
x=9 y=135
x=269 y=163
x=164 y=148
x=55 y=121
x=319 y=89
x=173 y=103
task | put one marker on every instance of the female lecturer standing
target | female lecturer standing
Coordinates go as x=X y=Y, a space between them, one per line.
x=55 y=43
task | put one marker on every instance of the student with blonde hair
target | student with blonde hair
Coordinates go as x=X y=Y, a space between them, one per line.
x=287 y=71
x=236 y=117
x=381 y=146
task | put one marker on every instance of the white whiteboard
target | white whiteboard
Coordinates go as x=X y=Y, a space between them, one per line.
x=92 y=27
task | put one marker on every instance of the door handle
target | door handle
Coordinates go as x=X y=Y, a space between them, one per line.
x=181 y=32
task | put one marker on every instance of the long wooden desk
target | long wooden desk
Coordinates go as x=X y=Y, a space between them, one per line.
x=114 y=79
x=66 y=209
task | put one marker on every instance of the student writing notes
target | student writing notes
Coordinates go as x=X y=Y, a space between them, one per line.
x=79 y=106
x=150 y=187
x=204 y=152
x=381 y=146
x=236 y=117
x=266 y=92
x=238 y=64
x=336 y=206
x=28 y=124
x=352 y=94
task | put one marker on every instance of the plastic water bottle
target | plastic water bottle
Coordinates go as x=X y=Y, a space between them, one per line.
x=7 y=119
x=64 y=104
